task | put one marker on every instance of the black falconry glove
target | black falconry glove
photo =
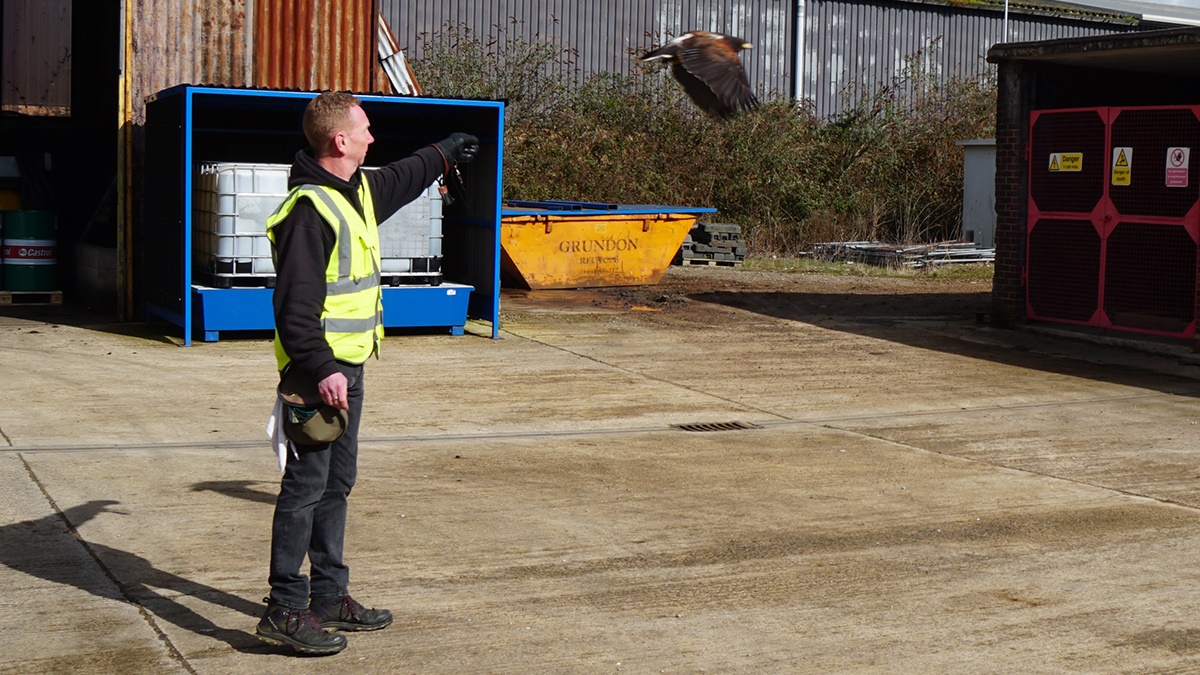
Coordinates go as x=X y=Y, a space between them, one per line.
x=458 y=148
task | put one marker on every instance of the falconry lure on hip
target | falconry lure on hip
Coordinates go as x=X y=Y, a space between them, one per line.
x=708 y=67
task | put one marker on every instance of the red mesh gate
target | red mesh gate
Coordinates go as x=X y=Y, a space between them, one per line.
x=1113 y=218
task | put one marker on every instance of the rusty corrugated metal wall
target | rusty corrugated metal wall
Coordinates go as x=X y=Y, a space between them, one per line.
x=857 y=45
x=187 y=42
x=315 y=44
x=280 y=44
x=606 y=35
x=36 y=77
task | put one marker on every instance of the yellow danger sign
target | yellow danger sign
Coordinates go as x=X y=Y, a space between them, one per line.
x=1066 y=161
x=1122 y=165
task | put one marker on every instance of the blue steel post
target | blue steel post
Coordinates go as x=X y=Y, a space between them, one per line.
x=187 y=218
x=499 y=203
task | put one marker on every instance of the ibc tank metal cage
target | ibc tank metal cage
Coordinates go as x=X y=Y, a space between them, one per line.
x=1114 y=218
x=190 y=127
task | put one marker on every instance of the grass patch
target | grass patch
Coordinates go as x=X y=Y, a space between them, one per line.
x=977 y=271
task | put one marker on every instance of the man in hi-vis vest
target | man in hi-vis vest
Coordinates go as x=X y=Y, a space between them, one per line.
x=328 y=322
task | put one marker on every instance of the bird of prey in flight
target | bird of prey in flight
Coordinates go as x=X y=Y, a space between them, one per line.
x=708 y=67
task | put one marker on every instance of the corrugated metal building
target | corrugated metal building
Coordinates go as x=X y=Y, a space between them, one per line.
x=154 y=44
x=852 y=46
x=844 y=46
x=607 y=36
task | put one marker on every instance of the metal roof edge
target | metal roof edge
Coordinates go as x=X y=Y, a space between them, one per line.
x=1077 y=12
x=1154 y=18
x=1015 y=51
x=1150 y=11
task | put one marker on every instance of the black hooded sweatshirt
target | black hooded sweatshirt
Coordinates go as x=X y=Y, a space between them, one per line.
x=304 y=242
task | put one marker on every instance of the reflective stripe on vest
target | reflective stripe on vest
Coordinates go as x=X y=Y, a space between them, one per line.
x=352 y=317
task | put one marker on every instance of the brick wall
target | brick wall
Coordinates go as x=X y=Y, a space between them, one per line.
x=1012 y=190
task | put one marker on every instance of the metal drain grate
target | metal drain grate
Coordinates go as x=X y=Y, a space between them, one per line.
x=716 y=426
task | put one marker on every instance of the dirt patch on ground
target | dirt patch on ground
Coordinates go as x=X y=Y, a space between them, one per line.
x=695 y=291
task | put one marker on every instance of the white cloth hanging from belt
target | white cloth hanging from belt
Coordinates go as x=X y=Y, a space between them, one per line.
x=279 y=442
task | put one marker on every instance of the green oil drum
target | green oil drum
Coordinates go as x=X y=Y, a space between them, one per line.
x=30 y=251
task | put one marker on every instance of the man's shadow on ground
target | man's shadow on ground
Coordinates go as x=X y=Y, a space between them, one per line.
x=38 y=548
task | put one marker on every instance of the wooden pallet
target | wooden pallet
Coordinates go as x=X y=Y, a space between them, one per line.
x=30 y=298
x=708 y=262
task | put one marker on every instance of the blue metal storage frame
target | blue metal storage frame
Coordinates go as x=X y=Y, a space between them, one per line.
x=478 y=231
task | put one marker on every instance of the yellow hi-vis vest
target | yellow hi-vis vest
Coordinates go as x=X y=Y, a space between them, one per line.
x=352 y=317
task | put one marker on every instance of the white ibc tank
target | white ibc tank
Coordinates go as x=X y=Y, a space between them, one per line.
x=231 y=204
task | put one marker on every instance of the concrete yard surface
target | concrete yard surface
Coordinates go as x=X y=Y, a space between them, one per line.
x=891 y=487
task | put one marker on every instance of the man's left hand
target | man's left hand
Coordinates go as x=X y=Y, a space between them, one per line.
x=459 y=148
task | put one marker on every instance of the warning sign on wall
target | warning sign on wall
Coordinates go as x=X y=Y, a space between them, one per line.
x=1122 y=166
x=1066 y=161
x=1177 y=166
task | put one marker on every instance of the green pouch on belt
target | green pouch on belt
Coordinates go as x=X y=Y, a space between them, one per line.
x=306 y=418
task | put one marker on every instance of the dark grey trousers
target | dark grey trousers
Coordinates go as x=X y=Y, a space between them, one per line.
x=310 y=513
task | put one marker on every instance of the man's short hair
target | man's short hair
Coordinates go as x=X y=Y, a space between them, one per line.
x=326 y=115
